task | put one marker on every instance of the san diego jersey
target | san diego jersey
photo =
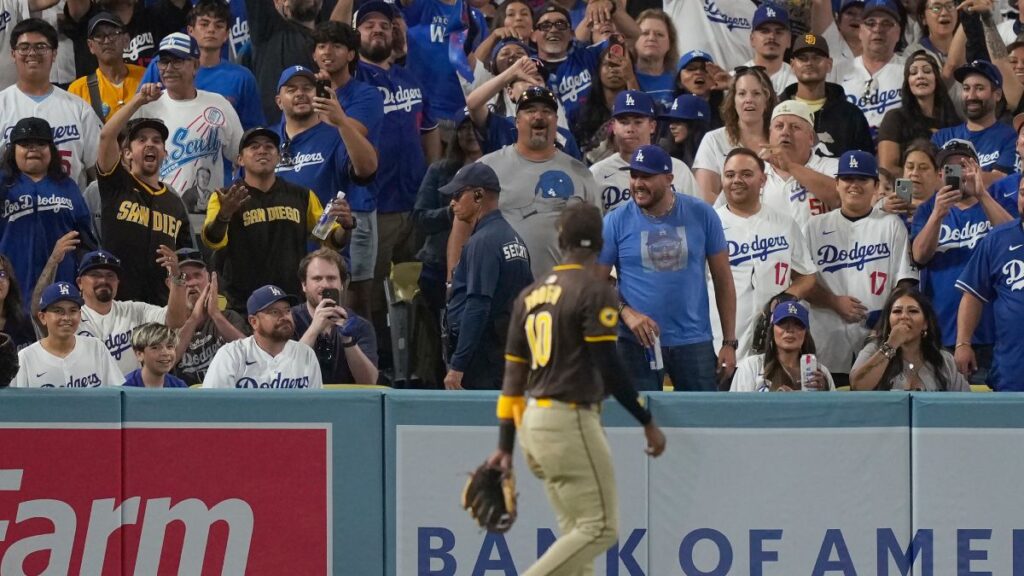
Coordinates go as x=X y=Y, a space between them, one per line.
x=865 y=259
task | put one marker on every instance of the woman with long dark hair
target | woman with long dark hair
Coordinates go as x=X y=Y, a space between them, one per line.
x=906 y=353
x=695 y=74
x=41 y=203
x=14 y=320
x=687 y=122
x=591 y=129
x=778 y=369
x=926 y=108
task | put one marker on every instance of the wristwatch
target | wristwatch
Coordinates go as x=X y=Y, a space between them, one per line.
x=734 y=344
x=177 y=279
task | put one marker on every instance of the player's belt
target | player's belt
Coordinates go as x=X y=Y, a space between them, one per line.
x=552 y=403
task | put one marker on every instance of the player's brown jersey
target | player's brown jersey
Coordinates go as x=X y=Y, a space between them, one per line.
x=552 y=321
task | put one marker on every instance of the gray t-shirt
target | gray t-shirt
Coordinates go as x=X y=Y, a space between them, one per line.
x=955 y=381
x=533 y=195
x=206 y=340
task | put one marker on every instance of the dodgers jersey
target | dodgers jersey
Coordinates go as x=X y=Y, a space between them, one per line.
x=864 y=259
x=75 y=126
x=874 y=95
x=431 y=34
x=114 y=329
x=87 y=366
x=995 y=144
x=764 y=251
x=790 y=197
x=11 y=13
x=203 y=132
x=317 y=159
x=959 y=234
x=572 y=78
x=720 y=27
x=612 y=176
x=243 y=364
x=995 y=274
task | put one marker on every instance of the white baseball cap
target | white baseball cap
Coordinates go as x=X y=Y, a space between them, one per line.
x=794 y=108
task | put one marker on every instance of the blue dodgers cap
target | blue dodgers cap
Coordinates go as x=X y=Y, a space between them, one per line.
x=263 y=297
x=60 y=291
x=293 y=71
x=99 y=259
x=858 y=163
x=475 y=175
x=692 y=55
x=650 y=159
x=179 y=45
x=688 y=107
x=386 y=9
x=791 y=309
x=845 y=4
x=768 y=13
x=881 y=5
x=506 y=42
x=982 y=67
x=633 y=102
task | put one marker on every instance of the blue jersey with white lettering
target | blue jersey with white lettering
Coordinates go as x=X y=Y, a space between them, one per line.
x=317 y=158
x=660 y=259
x=401 y=163
x=432 y=48
x=572 y=78
x=661 y=87
x=995 y=273
x=960 y=233
x=35 y=215
x=235 y=83
x=502 y=131
x=995 y=144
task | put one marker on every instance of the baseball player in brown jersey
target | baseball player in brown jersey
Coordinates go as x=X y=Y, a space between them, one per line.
x=560 y=363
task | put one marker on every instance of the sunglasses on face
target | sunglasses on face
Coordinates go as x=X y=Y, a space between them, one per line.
x=560 y=25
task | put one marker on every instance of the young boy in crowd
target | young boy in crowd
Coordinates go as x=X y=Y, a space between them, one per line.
x=154 y=345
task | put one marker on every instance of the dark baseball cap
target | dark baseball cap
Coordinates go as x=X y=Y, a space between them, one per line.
x=650 y=159
x=956 y=147
x=179 y=45
x=475 y=175
x=99 y=259
x=548 y=9
x=104 y=18
x=768 y=13
x=537 y=94
x=887 y=6
x=633 y=102
x=791 y=309
x=249 y=135
x=981 y=67
x=846 y=4
x=60 y=291
x=293 y=71
x=136 y=124
x=31 y=129
x=858 y=163
x=811 y=42
x=688 y=107
x=385 y=9
x=692 y=55
x=263 y=297
x=190 y=256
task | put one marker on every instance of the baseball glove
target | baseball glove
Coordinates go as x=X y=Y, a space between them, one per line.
x=490 y=497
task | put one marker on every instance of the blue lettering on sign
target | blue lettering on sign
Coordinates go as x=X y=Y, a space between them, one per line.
x=758 y=555
x=843 y=563
x=965 y=553
x=759 y=248
x=889 y=547
x=856 y=257
x=427 y=552
x=715 y=537
x=503 y=563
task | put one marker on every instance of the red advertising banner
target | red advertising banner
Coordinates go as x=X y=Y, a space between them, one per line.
x=165 y=499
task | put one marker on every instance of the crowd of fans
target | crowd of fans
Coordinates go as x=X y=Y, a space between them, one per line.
x=222 y=194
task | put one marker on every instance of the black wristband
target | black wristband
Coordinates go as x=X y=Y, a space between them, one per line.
x=506 y=436
x=350 y=343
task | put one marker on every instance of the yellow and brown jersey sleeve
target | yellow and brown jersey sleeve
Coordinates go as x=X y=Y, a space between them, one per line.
x=599 y=313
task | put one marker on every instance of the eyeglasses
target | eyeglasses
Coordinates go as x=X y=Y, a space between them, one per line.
x=26 y=49
x=100 y=258
x=696 y=66
x=276 y=312
x=166 y=62
x=883 y=24
x=104 y=38
x=947 y=7
x=560 y=25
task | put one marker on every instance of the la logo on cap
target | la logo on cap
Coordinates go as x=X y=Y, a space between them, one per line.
x=275 y=291
x=770 y=12
x=675 y=105
x=639 y=155
x=629 y=100
x=792 y=309
x=700 y=114
x=64 y=289
x=853 y=162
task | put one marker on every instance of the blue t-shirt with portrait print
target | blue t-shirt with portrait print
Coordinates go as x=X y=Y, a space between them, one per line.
x=995 y=273
x=401 y=162
x=134 y=379
x=431 y=25
x=571 y=79
x=995 y=145
x=661 y=265
x=959 y=235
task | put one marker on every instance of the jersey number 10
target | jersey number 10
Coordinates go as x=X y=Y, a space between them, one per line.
x=539 y=327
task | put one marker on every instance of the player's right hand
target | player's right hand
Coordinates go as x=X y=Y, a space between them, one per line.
x=851 y=309
x=655 y=440
x=966 y=364
x=642 y=327
x=65 y=244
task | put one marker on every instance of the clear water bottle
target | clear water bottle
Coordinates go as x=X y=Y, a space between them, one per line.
x=323 y=225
